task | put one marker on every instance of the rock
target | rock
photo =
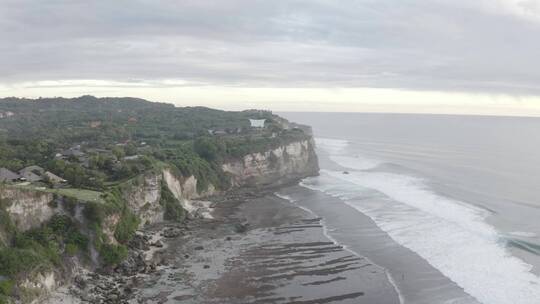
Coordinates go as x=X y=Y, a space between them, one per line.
x=241 y=227
x=206 y=266
x=88 y=297
x=186 y=256
x=139 y=242
x=228 y=238
x=133 y=264
x=199 y=248
x=345 y=172
x=112 y=297
x=172 y=232
x=157 y=244
x=80 y=282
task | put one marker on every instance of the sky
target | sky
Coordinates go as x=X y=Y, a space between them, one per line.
x=421 y=56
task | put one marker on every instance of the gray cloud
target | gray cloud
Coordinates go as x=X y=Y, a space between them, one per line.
x=487 y=46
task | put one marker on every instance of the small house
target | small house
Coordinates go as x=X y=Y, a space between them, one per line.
x=257 y=123
x=32 y=174
x=75 y=151
x=8 y=176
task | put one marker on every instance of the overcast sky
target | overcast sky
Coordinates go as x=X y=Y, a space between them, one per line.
x=328 y=55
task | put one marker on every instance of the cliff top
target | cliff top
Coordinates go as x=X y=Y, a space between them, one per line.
x=94 y=143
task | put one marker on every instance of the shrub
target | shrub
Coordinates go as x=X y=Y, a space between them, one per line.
x=14 y=261
x=6 y=224
x=206 y=148
x=6 y=287
x=113 y=254
x=93 y=213
x=173 y=209
x=3 y=299
x=71 y=249
x=70 y=204
x=126 y=227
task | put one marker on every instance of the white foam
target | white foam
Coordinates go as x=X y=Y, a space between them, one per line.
x=331 y=146
x=337 y=151
x=451 y=235
x=285 y=197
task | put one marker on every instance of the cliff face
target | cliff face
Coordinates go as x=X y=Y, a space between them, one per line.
x=27 y=209
x=279 y=166
x=282 y=165
x=144 y=196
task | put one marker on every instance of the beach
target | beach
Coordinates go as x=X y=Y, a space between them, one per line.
x=256 y=247
x=262 y=249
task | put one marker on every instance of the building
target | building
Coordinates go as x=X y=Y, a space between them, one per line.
x=257 y=123
x=75 y=151
x=6 y=114
x=33 y=169
x=55 y=179
x=8 y=176
x=32 y=174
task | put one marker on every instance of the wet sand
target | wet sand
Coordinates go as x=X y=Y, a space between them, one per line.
x=262 y=250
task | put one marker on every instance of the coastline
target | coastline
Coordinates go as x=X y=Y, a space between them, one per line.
x=257 y=248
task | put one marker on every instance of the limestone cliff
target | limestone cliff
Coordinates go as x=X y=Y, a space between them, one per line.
x=281 y=165
x=27 y=209
x=143 y=198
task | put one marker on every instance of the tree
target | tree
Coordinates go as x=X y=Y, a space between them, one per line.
x=206 y=148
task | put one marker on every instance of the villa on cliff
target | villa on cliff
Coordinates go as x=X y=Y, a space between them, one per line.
x=7 y=176
x=257 y=123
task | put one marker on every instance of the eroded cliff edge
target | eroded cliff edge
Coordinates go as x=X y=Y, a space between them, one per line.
x=94 y=233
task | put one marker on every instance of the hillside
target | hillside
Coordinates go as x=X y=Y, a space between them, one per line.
x=79 y=177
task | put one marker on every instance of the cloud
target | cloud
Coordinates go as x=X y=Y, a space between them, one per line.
x=487 y=46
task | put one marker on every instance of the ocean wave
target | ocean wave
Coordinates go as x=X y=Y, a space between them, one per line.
x=337 y=151
x=331 y=145
x=450 y=235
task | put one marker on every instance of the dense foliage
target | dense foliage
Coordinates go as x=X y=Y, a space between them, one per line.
x=102 y=148
x=41 y=247
x=173 y=209
x=119 y=138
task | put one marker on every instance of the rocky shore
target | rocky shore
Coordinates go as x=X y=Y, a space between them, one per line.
x=257 y=248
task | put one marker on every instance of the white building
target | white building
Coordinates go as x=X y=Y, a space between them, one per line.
x=257 y=123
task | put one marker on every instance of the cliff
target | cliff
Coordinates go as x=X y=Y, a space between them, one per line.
x=106 y=225
x=278 y=166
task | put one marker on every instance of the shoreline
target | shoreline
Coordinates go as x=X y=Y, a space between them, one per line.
x=258 y=248
x=391 y=280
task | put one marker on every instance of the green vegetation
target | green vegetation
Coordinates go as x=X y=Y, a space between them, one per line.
x=41 y=247
x=173 y=209
x=75 y=193
x=103 y=148
x=126 y=227
x=188 y=163
x=6 y=288
x=113 y=254
x=109 y=140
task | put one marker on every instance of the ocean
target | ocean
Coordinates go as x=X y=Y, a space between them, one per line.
x=449 y=205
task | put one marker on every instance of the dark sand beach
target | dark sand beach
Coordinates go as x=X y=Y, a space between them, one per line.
x=261 y=250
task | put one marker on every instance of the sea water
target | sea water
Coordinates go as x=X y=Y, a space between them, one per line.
x=462 y=193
